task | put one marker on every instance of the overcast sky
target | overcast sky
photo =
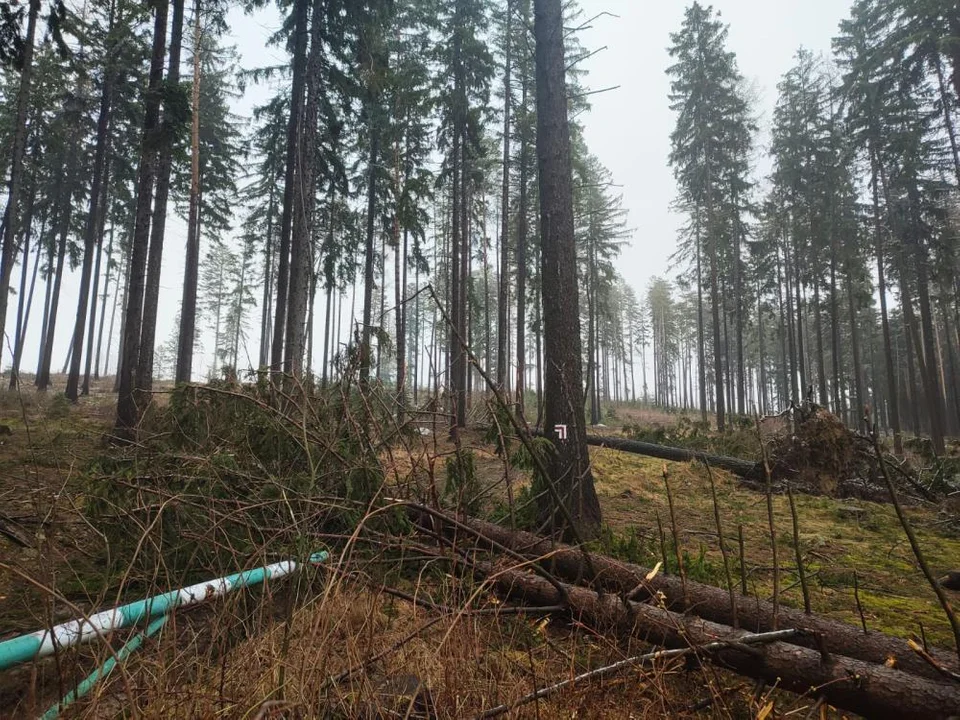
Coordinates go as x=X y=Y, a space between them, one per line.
x=627 y=128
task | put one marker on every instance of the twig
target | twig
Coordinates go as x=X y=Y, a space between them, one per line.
x=723 y=547
x=758 y=639
x=815 y=707
x=743 y=566
x=663 y=543
x=908 y=529
x=796 y=550
x=676 y=535
x=772 y=527
x=856 y=596
x=922 y=652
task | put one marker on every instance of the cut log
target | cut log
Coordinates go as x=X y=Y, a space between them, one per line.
x=871 y=690
x=706 y=601
x=742 y=468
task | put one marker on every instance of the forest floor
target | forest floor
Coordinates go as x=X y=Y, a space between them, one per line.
x=56 y=562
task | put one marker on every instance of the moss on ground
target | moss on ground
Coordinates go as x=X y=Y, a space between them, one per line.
x=838 y=538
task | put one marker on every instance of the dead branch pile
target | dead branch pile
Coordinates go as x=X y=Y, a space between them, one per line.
x=864 y=672
x=822 y=456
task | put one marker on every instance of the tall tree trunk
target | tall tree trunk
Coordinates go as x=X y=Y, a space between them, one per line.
x=591 y=350
x=912 y=396
x=128 y=414
x=761 y=355
x=90 y=233
x=464 y=271
x=701 y=339
x=25 y=298
x=835 y=366
x=266 y=314
x=103 y=306
x=191 y=268
x=368 y=254
x=11 y=225
x=151 y=299
x=301 y=246
x=952 y=384
x=290 y=180
x=400 y=280
x=933 y=391
x=860 y=398
x=738 y=291
x=891 y=368
x=95 y=290
x=122 y=282
x=800 y=324
x=717 y=344
x=521 y=351
x=63 y=229
x=570 y=464
x=21 y=292
x=503 y=285
x=821 y=360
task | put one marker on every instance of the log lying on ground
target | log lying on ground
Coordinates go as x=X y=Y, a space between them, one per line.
x=706 y=601
x=743 y=468
x=871 y=690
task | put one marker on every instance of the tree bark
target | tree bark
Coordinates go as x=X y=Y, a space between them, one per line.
x=94 y=292
x=870 y=689
x=570 y=464
x=304 y=198
x=300 y=32
x=151 y=300
x=522 y=209
x=191 y=268
x=710 y=603
x=128 y=414
x=90 y=234
x=25 y=299
x=10 y=229
x=891 y=368
x=368 y=252
x=503 y=293
x=63 y=228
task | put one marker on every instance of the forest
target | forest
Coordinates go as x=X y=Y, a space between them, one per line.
x=377 y=334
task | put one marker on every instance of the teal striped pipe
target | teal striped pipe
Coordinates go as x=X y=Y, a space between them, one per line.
x=89 y=682
x=45 y=642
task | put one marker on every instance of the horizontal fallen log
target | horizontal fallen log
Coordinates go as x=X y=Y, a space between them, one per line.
x=743 y=468
x=871 y=690
x=712 y=603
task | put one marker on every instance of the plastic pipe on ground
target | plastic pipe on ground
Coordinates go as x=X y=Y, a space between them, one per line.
x=87 y=684
x=45 y=642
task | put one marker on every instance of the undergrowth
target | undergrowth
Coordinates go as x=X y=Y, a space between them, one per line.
x=226 y=471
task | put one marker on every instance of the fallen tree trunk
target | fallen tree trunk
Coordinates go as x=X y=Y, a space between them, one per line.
x=743 y=468
x=871 y=690
x=706 y=601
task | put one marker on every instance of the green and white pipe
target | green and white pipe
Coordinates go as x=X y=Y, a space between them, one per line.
x=45 y=642
x=89 y=682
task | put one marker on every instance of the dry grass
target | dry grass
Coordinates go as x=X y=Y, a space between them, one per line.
x=332 y=643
